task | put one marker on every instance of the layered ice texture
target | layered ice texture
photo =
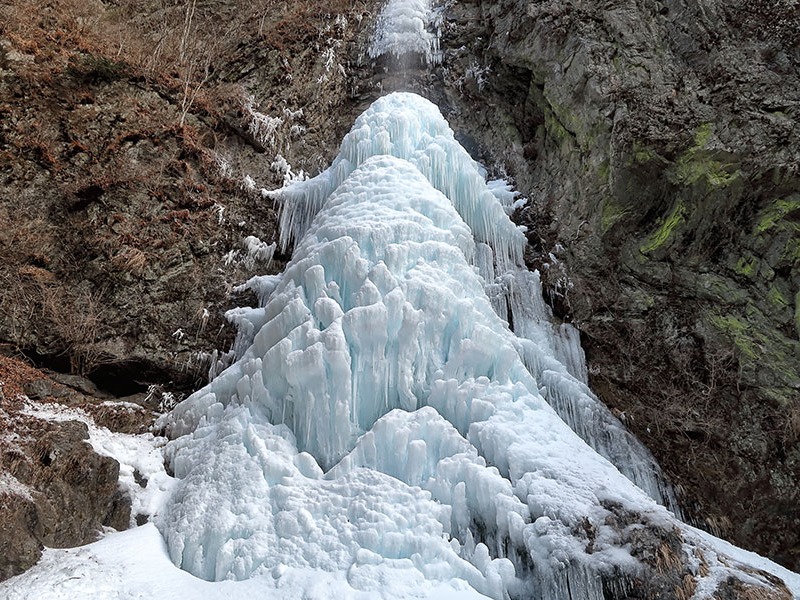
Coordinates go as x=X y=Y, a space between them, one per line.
x=381 y=420
x=406 y=27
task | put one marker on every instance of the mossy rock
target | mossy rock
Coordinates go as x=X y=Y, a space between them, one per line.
x=666 y=227
x=767 y=358
x=782 y=213
x=700 y=164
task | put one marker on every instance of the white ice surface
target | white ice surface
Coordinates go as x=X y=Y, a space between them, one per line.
x=405 y=27
x=379 y=358
x=135 y=565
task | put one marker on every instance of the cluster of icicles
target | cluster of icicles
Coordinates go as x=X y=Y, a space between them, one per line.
x=381 y=420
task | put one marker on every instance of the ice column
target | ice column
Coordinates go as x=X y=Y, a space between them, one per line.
x=406 y=27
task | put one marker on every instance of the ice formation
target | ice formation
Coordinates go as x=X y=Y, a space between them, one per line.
x=381 y=419
x=409 y=127
x=382 y=433
x=406 y=27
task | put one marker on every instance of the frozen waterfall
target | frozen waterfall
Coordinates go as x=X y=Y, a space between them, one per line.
x=381 y=420
x=406 y=27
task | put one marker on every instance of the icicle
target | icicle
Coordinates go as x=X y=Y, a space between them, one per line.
x=412 y=128
x=406 y=27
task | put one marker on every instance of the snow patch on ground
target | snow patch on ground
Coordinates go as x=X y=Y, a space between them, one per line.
x=142 y=474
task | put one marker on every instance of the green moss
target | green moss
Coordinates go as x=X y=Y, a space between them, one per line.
x=775 y=213
x=604 y=171
x=766 y=355
x=702 y=135
x=700 y=164
x=659 y=237
x=555 y=128
x=766 y=272
x=565 y=121
x=776 y=298
x=643 y=154
x=746 y=266
x=792 y=251
x=694 y=168
x=738 y=332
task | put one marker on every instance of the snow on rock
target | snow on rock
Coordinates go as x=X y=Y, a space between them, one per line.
x=142 y=475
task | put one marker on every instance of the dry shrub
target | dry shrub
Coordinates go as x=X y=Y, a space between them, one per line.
x=15 y=374
x=667 y=560
x=130 y=259
x=734 y=588
x=686 y=590
x=124 y=418
x=76 y=318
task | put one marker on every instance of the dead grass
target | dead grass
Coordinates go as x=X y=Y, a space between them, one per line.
x=747 y=591
x=686 y=590
x=14 y=374
x=667 y=560
x=131 y=259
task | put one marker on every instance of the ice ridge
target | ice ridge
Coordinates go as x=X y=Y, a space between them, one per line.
x=409 y=127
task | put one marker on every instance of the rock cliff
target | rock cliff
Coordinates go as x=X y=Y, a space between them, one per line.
x=657 y=142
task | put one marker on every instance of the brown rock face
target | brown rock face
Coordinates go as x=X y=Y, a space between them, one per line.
x=657 y=141
x=63 y=493
x=55 y=490
x=128 y=172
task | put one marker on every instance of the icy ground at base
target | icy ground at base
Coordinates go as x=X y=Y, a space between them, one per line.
x=135 y=565
x=382 y=432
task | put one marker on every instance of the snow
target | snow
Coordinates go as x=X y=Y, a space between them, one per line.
x=134 y=564
x=725 y=557
x=382 y=432
x=138 y=456
x=10 y=485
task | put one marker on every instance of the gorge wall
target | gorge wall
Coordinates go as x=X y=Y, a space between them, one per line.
x=657 y=143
